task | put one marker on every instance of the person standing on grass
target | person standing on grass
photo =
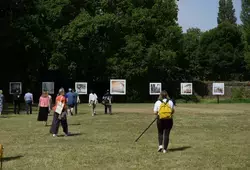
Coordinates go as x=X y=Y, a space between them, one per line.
x=60 y=117
x=106 y=101
x=1 y=101
x=44 y=105
x=70 y=98
x=93 y=100
x=77 y=100
x=164 y=109
x=28 y=98
x=16 y=101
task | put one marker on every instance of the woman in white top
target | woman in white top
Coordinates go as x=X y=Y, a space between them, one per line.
x=93 y=100
x=163 y=125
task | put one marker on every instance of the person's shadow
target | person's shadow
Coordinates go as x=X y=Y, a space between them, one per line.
x=179 y=149
x=71 y=134
x=5 y=159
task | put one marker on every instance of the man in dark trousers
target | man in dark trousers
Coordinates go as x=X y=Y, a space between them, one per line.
x=77 y=100
x=106 y=101
x=16 y=100
x=70 y=97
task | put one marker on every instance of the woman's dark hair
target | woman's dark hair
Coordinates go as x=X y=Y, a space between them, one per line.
x=163 y=95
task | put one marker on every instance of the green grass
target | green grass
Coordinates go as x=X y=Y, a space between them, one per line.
x=214 y=100
x=214 y=136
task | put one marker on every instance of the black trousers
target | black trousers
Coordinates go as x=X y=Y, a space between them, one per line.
x=29 y=107
x=16 y=107
x=108 y=107
x=76 y=108
x=164 y=127
x=57 y=121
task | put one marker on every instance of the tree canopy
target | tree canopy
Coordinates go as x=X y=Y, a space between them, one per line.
x=140 y=41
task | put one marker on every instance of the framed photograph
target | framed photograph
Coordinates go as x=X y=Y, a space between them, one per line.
x=15 y=86
x=118 y=86
x=81 y=87
x=154 y=88
x=218 y=88
x=186 y=88
x=48 y=86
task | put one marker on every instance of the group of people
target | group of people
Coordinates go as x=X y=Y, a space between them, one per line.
x=65 y=103
x=164 y=109
x=106 y=101
x=28 y=98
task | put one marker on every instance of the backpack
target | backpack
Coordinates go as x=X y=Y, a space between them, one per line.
x=165 y=111
x=106 y=99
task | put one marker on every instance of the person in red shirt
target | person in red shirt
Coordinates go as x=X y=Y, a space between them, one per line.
x=60 y=114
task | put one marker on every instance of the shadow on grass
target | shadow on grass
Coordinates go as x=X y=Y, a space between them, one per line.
x=71 y=134
x=4 y=116
x=7 y=115
x=179 y=149
x=12 y=158
x=72 y=124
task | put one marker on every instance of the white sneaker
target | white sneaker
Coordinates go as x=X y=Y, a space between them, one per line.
x=164 y=151
x=160 y=148
x=54 y=135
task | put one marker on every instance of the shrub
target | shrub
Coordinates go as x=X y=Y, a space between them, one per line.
x=240 y=93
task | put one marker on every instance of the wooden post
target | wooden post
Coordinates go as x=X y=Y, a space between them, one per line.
x=218 y=99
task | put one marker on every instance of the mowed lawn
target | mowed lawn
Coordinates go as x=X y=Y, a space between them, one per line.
x=204 y=136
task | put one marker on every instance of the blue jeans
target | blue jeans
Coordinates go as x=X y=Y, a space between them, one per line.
x=29 y=106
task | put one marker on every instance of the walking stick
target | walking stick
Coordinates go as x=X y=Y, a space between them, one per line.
x=1 y=156
x=145 y=130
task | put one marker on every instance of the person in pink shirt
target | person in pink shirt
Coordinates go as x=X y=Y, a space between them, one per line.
x=44 y=105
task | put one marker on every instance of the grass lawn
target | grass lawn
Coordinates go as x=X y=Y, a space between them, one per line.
x=204 y=136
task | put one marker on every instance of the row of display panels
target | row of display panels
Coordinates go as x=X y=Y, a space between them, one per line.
x=118 y=87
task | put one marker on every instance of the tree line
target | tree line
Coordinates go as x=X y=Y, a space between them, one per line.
x=140 y=41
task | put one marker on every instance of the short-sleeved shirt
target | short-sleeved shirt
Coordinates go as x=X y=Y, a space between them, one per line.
x=158 y=103
x=76 y=96
x=62 y=99
x=93 y=97
x=71 y=98
x=28 y=97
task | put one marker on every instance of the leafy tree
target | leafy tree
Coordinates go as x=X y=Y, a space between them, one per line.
x=221 y=53
x=245 y=18
x=191 y=45
x=226 y=12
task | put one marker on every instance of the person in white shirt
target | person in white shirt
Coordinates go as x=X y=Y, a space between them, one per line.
x=92 y=102
x=163 y=125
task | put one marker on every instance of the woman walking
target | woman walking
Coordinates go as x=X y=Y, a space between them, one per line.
x=1 y=101
x=44 y=104
x=60 y=114
x=164 y=109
